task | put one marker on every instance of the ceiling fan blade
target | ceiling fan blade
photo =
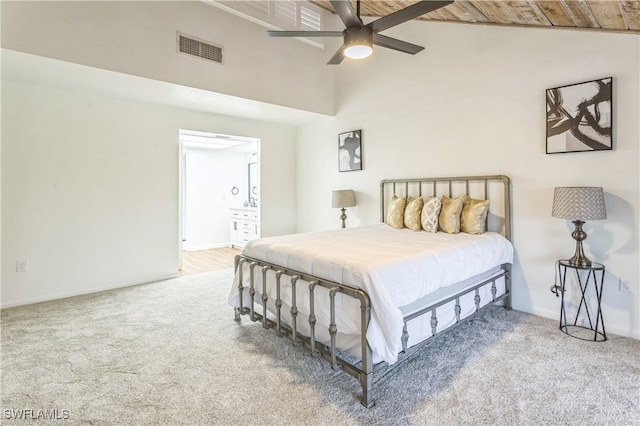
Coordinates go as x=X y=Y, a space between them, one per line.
x=406 y=14
x=305 y=33
x=345 y=11
x=338 y=57
x=395 y=44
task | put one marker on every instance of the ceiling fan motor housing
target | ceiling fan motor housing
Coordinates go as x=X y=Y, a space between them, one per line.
x=358 y=42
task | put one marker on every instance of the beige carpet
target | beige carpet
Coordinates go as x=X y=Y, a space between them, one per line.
x=169 y=353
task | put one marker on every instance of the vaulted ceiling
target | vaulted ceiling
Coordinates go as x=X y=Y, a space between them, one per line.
x=594 y=15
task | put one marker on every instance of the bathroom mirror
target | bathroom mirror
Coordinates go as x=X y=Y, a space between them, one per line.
x=252 y=184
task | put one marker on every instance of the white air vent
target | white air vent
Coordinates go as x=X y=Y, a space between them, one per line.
x=201 y=49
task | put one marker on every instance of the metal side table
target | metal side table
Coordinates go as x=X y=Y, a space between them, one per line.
x=599 y=334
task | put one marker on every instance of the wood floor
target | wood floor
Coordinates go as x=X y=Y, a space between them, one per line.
x=197 y=262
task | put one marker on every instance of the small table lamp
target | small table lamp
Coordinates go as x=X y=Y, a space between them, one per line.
x=579 y=203
x=341 y=199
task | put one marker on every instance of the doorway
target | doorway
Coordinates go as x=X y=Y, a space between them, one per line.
x=219 y=176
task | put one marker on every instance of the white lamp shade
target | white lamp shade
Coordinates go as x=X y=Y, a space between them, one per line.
x=579 y=203
x=343 y=198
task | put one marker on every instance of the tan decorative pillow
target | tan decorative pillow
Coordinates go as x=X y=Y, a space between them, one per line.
x=395 y=212
x=449 y=218
x=412 y=213
x=430 y=212
x=474 y=215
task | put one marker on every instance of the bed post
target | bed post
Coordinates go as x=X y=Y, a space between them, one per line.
x=238 y=311
x=252 y=290
x=265 y=297
x=507 y=206
x=507 y=234
x=366 y=376
x=333 y=329
x=294 y=311
x=507 y=287
x=312 y=320
x=279 y=332
x=382 y=201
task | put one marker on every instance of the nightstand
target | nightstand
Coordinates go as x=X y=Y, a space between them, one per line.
x=585 y=275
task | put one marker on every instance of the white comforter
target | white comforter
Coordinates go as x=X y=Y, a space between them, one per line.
x=395 y=267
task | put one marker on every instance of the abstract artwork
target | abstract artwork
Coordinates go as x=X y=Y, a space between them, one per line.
x=350 y=151
x=579 y=117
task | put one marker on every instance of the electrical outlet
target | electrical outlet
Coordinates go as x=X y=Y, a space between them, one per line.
x=625 y=285
x=22 y=265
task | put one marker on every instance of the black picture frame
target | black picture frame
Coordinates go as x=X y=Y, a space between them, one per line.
x=580 y=117
x=350 y=151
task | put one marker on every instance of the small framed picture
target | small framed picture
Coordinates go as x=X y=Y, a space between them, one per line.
x=350 y=151
x=579 y=117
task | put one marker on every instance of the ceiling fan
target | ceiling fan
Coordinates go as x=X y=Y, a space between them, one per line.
x=360 y=38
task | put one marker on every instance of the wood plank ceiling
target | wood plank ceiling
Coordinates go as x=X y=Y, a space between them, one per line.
x=595 y=15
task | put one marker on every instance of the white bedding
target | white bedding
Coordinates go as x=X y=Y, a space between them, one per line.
x=395 y=267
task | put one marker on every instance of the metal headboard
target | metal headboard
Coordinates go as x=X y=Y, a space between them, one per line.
x=495 y=188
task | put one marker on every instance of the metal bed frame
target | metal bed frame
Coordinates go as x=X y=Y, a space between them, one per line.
x=363 y=371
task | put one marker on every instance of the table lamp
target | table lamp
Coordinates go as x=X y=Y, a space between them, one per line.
x=342 y=199
x=579 y=203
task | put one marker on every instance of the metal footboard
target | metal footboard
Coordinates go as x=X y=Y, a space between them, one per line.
x=364 y=370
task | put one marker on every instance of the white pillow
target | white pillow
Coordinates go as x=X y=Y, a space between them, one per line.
x=430 y=212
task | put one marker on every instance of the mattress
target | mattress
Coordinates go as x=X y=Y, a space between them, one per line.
x=396 y=267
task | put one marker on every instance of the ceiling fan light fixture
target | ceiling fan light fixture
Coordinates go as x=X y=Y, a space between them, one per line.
x=358 y=42
x=358 y=51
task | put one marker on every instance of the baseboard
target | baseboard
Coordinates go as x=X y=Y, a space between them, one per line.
x=82 y=293
x=555 y=315
x=546 y=313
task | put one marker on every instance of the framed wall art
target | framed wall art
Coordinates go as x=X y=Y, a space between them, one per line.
x=580 y=116
x=350 y=151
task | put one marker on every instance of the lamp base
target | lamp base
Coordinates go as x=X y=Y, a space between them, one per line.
x=343 y=216
x=580 y=262
x=579 y=259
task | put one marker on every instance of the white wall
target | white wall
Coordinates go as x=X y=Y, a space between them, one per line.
x=90 y=188
x=474 y=103
x=105 y=170
x=210 y=175
x=139 y=38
